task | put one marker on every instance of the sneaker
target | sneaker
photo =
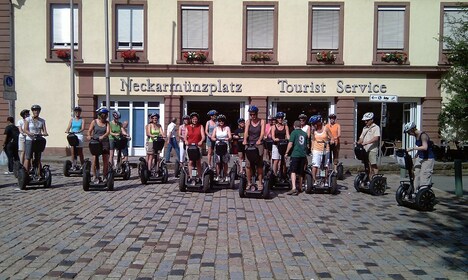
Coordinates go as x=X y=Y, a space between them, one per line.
x=227 y=179
x=316 y=183
x=216 y=178
x=8 y=173
x=326 y=185
x=96 y=180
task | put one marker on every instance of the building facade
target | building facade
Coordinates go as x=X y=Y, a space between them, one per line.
x=175 y=57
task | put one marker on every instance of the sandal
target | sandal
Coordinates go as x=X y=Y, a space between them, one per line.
x=260 y=188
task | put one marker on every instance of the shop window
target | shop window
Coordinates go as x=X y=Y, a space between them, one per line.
x=195 y=33
x=451 y=17
x=130 y=23
x=260 y=40
x=58 y=36
x=325 y=33
x=391 y=34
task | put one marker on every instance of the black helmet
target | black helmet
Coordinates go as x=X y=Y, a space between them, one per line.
x=24 y=113
x=332 y=116
x=221 y=118
x=77 y=108
x=240 y=120
x=155 y=115
x=194 y=114
x=302 y=116
x=35 y=107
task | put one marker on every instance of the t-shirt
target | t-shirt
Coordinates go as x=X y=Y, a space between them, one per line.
x=367 y=134
x=115 y=128
x=12 y=134
x=334 y=131
x=35 y=126
x=19 y=124
x=299 y=139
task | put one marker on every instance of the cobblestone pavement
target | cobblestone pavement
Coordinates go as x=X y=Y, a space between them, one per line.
x=157 y=232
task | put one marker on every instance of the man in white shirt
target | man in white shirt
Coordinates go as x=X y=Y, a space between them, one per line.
x=172 y=140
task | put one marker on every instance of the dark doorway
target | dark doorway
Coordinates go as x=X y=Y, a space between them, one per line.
x=392 y=131
x=230 y=109
x=294 y=109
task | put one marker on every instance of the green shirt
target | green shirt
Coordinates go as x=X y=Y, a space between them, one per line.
x=115 y=128
x=299 y=139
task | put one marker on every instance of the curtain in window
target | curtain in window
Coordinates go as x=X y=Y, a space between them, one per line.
x=452 y=15
x=325 y=28
x=391 y=28
x=130 y=27
x=61 y=26
x=260 y=27
x=195 y=27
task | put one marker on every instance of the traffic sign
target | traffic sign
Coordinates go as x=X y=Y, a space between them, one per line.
x=8 y=83
x=383 y=98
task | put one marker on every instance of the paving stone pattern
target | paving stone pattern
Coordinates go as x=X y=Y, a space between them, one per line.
x=157 y=232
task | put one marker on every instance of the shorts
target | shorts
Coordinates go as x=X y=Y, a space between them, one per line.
x=260 y=157
x=372 y=157
x=317 y=158
x=209 y=143
x=223 y=159
x=297 y=165
x=112 y=147
x=21 y=142
x=275 y=153
x=149 y=148
x=28 y=150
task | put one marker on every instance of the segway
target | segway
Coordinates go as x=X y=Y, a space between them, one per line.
x=268 y=145
x=37 y=175
x=282 y=180
x=252 y=154
x=339 y=170
x=239 y=164
x=325 y=183
x=204 y=184
x=122 y=169
x=221 y=149
x=159 y=170
x=424 y=198
x=376 y=185
x=72 y=167
x=95 y=147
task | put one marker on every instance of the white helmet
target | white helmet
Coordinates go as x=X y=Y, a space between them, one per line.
x=368 y=116
x=409 y=126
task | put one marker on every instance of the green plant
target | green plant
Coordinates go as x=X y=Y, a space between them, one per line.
x=325 y=57
x=398 y=57
x=260 y=57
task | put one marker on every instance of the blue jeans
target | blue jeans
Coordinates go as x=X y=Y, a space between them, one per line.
x=172 y=144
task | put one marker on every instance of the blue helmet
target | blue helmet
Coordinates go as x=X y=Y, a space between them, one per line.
x=240 y=120
x=253 y=108
x=315 y=119
x=212 y=113
x=102 y=110
x=280 y=115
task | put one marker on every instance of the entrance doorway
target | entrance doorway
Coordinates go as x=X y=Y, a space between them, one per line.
x=232 y=110
x=393 y=129
x=294 y=109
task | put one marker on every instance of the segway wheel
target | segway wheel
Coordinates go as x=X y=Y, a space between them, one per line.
x=66 y=168
x=242 y=185
x=357 y=181
x=308 y=183
x=22 y=180
x=127 y=171
x=47 y=177
x=177 y=169
x=425 y=199
x=378 y=185
x=143 y=172
x=207 y=182
x=165 y=174
x=401 y=192
x=86 y=176
x=110 y=180
x=266 y=187
x=16 y=167
x=182 y=186
x=340 y=172
x=234 y=170
x=232 y=178
x=333 y=185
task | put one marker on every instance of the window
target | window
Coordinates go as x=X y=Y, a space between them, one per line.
x=195 y=32
x=130 y=31
x=325 y=33
x=260 y=32
x=391 y=34
x=58 y=19
x=451 y=14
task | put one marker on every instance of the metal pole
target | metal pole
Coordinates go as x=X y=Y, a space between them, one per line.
x=72 y=56
x=106 y=16
x=458 y=177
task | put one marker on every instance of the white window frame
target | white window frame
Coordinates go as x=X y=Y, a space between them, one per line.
x=131 y=23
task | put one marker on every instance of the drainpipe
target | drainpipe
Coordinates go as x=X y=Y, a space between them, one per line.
x=72 y=56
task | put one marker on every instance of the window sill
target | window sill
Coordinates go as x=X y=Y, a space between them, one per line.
x=59 y=60
x=121 y=61
x=383 y=63
x=325 y=63
x=194 y=62
x=270 y=62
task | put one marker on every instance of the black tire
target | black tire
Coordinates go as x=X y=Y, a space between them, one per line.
x=308 y=183
x=378 y=185
x=357 y=181
x=234 y=170
x=110 y=180
x=16 y=167
x=177 y=170
x=340 y=172
x=207 y=182
x=232 y=178
x=182 y=186
x=242 y=186
x=143 y=172
x=66 y=168
x=333 y=185
x=127 y=171
x=165 y=174
x=86 y=176
x=266 y=188
x=22 y=180
x=47 y=177
x=425 y=200
x=401 y=192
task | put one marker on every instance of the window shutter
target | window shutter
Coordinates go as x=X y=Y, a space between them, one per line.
x=391 y=28
x=195 y=27
x=260 y=24
x=123 y=27
x=61 y=26
x=325 y=28
x=452 y=15
x=137 y=27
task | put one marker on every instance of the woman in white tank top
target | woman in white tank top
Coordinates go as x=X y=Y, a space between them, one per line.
x=222 y=132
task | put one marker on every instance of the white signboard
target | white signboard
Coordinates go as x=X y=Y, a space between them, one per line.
x=383 y=98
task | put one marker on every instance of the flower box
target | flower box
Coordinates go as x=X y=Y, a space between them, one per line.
x=63 y=54
x=129 y=56
x=398 y=57
x=192 y=57
x=260 y=57
x=325 y=57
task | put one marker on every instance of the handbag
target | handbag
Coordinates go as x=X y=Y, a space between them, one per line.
x=3 y=158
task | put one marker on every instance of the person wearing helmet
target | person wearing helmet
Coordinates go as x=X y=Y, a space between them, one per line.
x=99 y=129
x=306 y=128
x=76 y=125
x=22 y=136
x=268 y=127
x=278 y=132
x=238 y=138
x=33 y=125
x=320 y=135
x=195 y=134
x=153 y=130
x=222 y=132
x=209 y=127
x=116 y=131
x=424 y=163
x=253 y=135
x=172 y=139
x=182 y=131
x=10 y=144
x=369 y=138
x=335 y=129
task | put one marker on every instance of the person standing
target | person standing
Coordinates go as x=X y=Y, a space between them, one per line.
x=10 y=145
x=182 y=131
x=76 y=125
x=253 y=135
x=117 y=131
x=33 y=125
x=369 y=138
x=335 y=130
x=172 y=140
x=298 y=145
x=424 y=164
x=22 y=137
x=153 y=131
x=211 y=124
x=99 y=129
x=238 y=138
x=195 y=135
x=279 y=131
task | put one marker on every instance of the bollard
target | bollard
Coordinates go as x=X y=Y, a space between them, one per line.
x=458 y=178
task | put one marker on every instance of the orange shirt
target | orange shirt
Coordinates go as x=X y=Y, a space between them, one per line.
x=334 y=131
x=319 y=139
